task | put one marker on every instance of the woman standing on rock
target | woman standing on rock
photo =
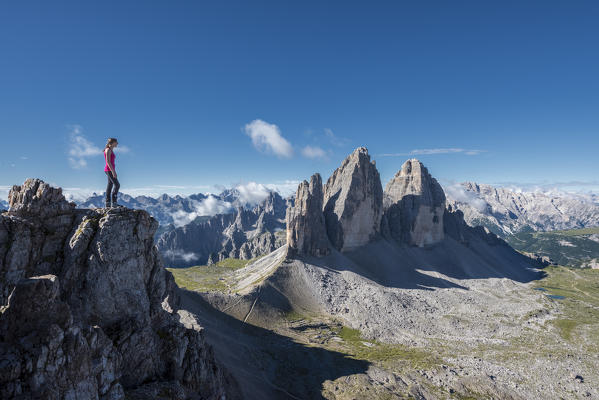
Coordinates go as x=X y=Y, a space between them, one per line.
x=112 y=189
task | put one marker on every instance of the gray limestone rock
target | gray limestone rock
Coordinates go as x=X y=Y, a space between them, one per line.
x=508 y=211
x=35 y=197
x=353 y=202
x=245 y=234
x=306 y=233
x=456 y=227
x=87 y=308
x=414 y=206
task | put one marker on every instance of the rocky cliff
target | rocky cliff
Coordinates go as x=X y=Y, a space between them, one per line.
x=410 y=212
x=306 y=231
x=87 y=309
x=422 y=279
x=353 y=202
x=244 y=234
x=414 y=205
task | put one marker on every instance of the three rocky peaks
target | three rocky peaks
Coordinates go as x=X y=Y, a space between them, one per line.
x=352 y=209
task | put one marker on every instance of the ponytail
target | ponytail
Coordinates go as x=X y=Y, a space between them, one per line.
x=109 y=142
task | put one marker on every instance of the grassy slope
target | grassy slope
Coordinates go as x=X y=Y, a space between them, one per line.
x=203 y=278
x=569 y=247
x=580 y=305
x=577 y=326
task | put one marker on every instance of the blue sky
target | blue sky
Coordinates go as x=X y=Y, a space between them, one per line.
x=221 y=93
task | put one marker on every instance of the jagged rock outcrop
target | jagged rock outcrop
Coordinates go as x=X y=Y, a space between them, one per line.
x=414 y=206
x=306 y=232
x=244 y=234
x=508 y=211
x=87 y=309
x=456 y=227
x=353 y=202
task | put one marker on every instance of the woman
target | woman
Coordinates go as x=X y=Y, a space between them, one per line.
x=112 y=189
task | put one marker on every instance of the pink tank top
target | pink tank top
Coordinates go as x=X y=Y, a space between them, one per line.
x=112 y=157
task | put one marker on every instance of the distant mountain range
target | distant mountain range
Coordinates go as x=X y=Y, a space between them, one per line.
x=502 y=210
x=505 y=212
x=246 y=233
x=206 y=228
x=176 y=210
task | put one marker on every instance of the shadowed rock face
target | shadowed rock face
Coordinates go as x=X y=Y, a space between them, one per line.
x=353 y=202
x=244 y=234
x=306 y=233
x=87 y=309
x=414 y=206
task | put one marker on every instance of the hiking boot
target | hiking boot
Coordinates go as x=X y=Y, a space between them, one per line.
x=107 y=205
x=115 y=204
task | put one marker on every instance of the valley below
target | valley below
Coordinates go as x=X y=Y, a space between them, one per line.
x=472 y=339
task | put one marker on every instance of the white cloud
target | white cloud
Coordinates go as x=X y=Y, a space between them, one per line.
x=211 y=205
x=78 y=195
x=457 y=192
x=187 y=257
x=313 y=152
x=80 y=148
x=252 y=192
x=267 y=138
x=473 y=152
x=285 y=188
x=449 y=150
x=121 y=149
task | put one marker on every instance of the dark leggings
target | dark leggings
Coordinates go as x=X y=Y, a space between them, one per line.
x=112 y=182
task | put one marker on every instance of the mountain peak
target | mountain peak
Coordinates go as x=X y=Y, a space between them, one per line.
x=306 y=232
x=353 y=202
x=414 y=205
x=87 y=303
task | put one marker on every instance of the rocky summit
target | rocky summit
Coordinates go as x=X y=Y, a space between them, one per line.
x=353 y=199
x=411 y=211
x=414 y=205
x=87 y=309
x=306 y=231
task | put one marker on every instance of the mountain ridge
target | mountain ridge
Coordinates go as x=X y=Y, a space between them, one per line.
x=506 y=211
x=88 y=310
x=438 y=280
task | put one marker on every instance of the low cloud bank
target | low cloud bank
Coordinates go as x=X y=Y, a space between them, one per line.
x=180 y=254
x=457 y=192
x=210 y=206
